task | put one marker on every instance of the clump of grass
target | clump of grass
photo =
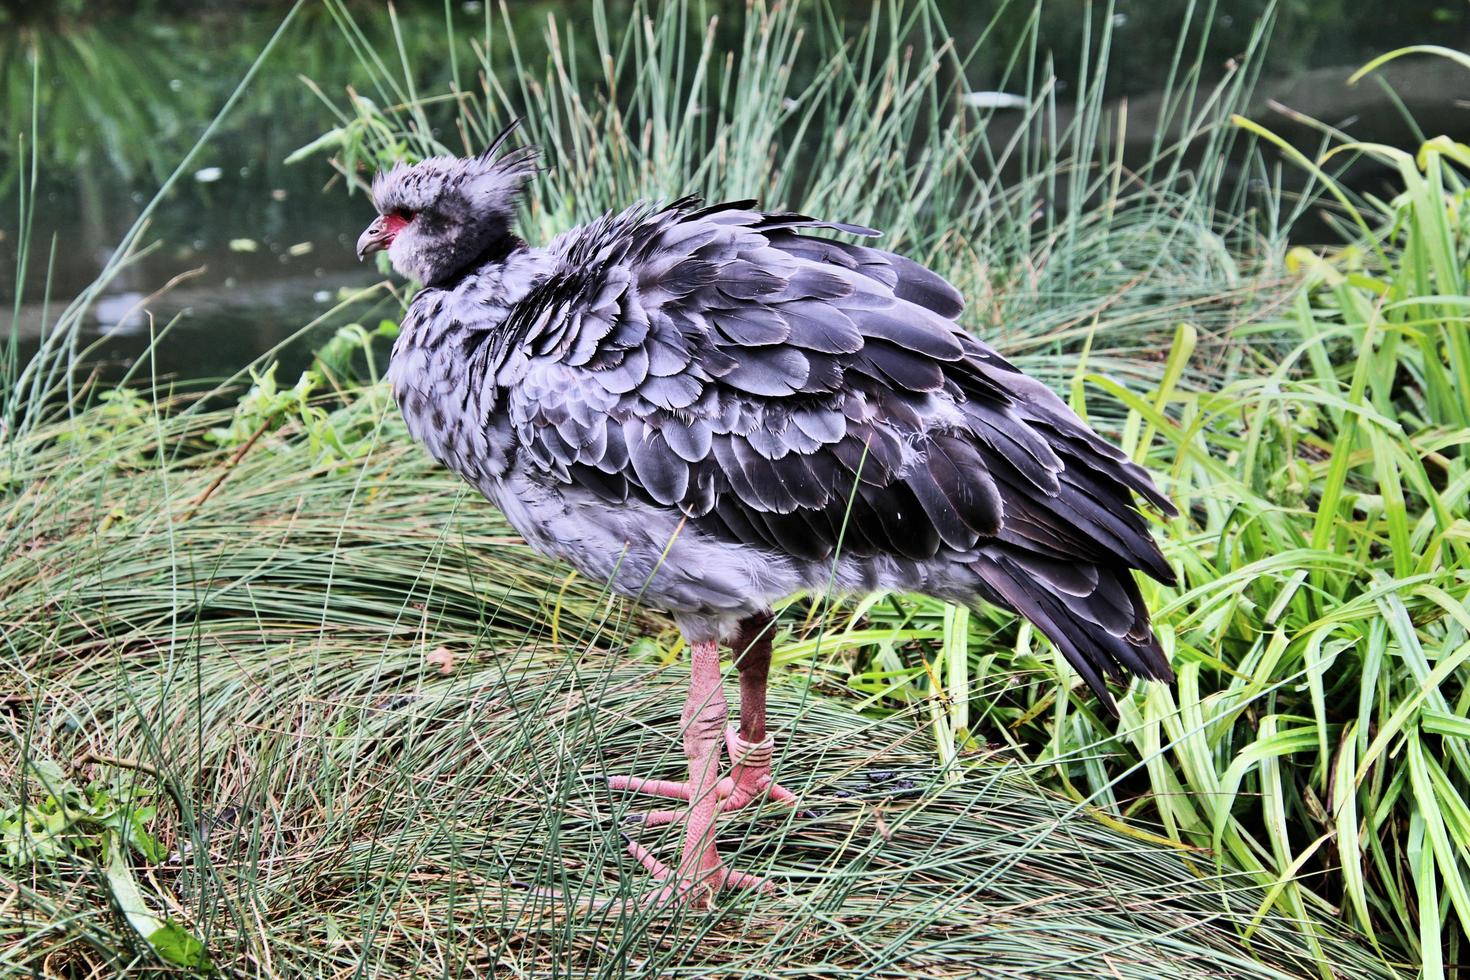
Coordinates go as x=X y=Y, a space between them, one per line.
x=365 y=711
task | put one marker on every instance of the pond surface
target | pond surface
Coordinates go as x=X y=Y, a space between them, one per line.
x=265 y=248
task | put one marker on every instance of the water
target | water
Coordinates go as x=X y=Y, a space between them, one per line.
x=256 y=248
x=243 y=286
x=265 y=248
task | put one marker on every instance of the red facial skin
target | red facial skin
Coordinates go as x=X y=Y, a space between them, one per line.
x=394 y=223
x=380 y=234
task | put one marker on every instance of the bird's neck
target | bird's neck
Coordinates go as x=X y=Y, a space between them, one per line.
x=497 y=251
x=477 y=302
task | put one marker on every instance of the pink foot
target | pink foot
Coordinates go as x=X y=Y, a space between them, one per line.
x=749 y=782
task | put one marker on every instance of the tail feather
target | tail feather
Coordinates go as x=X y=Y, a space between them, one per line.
x=1104 y=632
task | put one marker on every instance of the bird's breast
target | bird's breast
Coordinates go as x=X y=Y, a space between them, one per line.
x=453 y=418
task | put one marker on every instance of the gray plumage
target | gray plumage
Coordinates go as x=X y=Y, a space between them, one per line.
x=714 y=407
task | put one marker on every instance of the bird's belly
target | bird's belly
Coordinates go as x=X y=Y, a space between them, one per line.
x=651 y=554
x=641 y=551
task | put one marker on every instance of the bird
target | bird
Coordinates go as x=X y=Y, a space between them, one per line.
x=712 y=407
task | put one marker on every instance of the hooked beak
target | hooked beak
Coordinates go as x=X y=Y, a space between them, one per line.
x=378 y=236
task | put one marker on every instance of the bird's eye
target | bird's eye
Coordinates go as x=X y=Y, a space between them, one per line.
x=403 y=214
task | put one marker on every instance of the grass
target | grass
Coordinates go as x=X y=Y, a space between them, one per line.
x=343 y=804
x=237 y=619
x=1056 y=238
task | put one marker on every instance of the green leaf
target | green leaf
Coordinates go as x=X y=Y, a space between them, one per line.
x=166 y=938
x=332 y=139
x=1444 y=723
x=1451 y=54
x=176 y=944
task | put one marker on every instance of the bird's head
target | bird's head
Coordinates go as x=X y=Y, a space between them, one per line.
x=438 y=217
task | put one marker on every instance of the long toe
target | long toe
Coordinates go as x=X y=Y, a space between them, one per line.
x=645 y=857
x=669 y=789
x=694 y=892
x=655 y=818
x=749 y=785
x=741 y=880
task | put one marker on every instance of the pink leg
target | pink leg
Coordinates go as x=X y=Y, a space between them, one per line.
x=750 y=747
x=700 y=873
x=704 y=715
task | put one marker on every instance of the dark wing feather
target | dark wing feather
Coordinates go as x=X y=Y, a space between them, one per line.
x=790 y=392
